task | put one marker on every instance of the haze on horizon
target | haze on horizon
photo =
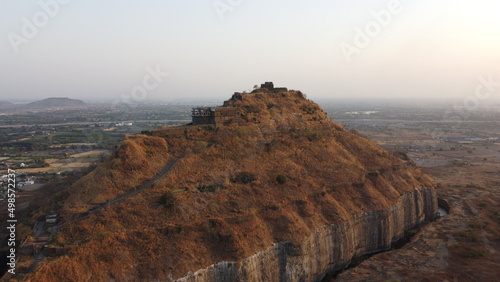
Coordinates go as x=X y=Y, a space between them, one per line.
x=95 y=50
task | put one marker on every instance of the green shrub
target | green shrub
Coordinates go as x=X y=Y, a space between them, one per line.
x=241 y=132
x=468 y=235
x=105 y=235
x=412 y=232
x=281 y=179
x=210 y=188
x=478 y=225
x=167 y=199
x=474 y=253
x=200 y=146
x=402 y=155
x=243 y=178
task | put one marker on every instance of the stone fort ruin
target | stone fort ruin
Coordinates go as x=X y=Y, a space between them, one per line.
x=224 y=114
x=217 y=115
x=268 y=87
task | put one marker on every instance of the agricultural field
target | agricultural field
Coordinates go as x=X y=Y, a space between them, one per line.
x=464 y=159
x=65 y=141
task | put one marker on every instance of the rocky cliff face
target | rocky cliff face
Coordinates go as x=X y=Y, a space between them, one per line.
x=331 y=247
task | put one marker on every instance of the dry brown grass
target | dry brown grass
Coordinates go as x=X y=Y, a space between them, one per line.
x=331 y=175
x=137 y=159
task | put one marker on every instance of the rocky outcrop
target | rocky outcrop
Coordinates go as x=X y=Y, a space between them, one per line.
x=331 y=247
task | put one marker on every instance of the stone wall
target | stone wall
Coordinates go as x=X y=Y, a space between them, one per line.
x=201 y=120
x=224 y=114
x=280 y=89
x=217 y=116
x=202 y=115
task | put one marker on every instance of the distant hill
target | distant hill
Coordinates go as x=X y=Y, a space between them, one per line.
x=5 y=104
x=56 y=103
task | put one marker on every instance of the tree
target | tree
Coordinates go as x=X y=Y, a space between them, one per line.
x=167 y=199
x=281 y=179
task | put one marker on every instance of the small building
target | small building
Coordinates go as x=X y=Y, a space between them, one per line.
x=202 y=115
x=226 y=114
x=217 y=115
x=268 y=87
x=51 y=218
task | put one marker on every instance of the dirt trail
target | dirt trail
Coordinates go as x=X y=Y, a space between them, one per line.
x=168 y=167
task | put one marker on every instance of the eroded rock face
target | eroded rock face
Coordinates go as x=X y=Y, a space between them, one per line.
x=331 y=247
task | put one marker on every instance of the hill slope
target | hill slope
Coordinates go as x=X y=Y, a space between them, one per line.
x=286 y=173
x=5 y=105
x=56 y=103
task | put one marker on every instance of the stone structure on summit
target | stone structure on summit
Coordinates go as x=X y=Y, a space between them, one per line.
x=269 y=87
x=217 y=115
x=226 y=114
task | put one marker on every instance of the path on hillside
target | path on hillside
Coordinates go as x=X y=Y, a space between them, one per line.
x=143 y=186
x=168 y=167
x=40 y=257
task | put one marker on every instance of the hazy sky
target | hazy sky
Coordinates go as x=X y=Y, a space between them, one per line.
x=102 y=49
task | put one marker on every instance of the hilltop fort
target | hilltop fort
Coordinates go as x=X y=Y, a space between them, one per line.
x=217 y=115
x=269 y=87
x=227 y=114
